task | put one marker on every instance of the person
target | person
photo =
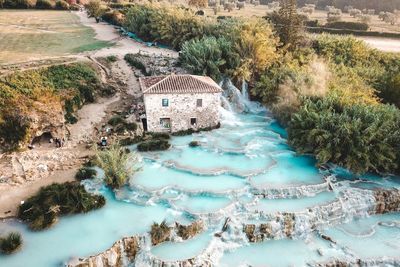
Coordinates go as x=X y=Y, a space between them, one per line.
x=103 y=141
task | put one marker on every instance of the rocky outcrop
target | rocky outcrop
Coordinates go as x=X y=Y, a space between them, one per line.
x=359 y=263
x=289 y=222
x=387 y=201
x=126 y=248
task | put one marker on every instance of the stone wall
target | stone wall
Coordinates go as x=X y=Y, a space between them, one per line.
x=181 y=108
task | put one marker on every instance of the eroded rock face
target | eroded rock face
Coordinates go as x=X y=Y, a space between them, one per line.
x=387 y=201
x=125 y=250
x=127 y=247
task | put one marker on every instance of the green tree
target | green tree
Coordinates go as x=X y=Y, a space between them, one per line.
x=288 y=24
x=95 y=9
x=360 y=138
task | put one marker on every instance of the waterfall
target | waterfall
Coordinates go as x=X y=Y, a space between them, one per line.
x=239 y=101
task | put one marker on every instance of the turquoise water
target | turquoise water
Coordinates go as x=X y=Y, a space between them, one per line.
x=215 y=181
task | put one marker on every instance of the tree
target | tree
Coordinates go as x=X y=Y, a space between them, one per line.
x=117 y=165
x=288 y=24
x=95 y=10
x=360 y=138
x=198 y=3
x=208 y=56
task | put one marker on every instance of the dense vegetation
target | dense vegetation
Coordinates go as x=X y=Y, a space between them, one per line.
x=117 y=164
x=10 y=243
x=237 y=47
x=47 y=92
x=42 y=210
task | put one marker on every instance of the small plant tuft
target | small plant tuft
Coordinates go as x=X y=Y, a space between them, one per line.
x=10 y=243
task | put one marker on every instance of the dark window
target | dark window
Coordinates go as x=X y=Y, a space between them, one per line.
x=165 y=102
x=193 y=121
x=199 y=102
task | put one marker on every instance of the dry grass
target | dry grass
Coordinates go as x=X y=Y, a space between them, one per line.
x=32 y=34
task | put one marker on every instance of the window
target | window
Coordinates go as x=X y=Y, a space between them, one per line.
x=165 y=102
x=199 y=103
x=165 y=123
x=193 y=121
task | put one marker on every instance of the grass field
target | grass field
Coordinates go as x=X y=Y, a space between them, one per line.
x=31 y=34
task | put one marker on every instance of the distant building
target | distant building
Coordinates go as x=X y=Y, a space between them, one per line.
x=180 y=102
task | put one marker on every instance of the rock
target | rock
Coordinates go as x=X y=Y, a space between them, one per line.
x=289 y=220
x=127 y=247
x=387 y=201
x=266 y=229
x=328 y=239
x=249 y=230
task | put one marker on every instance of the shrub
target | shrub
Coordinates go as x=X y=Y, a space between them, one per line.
x=113 y=17
x=19 y=3
x=112 y=58
x=14 y=129
x=115 y=120
x=160 y=135
x=154 y=145
x=44 y=4
x=117 y=165
x=42 y=210
x=359 y=137
x=132 y=60
x=10 y=243
x=62 y=5
x=347 y=25
x=85 y=173
x=194 y=144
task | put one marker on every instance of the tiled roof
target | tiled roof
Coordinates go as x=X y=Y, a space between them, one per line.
x=178 y=84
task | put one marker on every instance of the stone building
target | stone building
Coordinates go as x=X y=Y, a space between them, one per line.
x=180 y=102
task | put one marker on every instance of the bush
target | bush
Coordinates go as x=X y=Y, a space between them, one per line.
x=154 y=145
x=194 y=144
x=132 y=60
x=359 y=137
x=112 y=58
x=19 y=4
x=113 y=17
x=11 y=243
x=44 y=4
x=42 y=210
x=115 y=120
x=160 y=135
x=62 y=5
x=14 y=129
x=117 y=165
x=85 y=173
x=347 y=25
